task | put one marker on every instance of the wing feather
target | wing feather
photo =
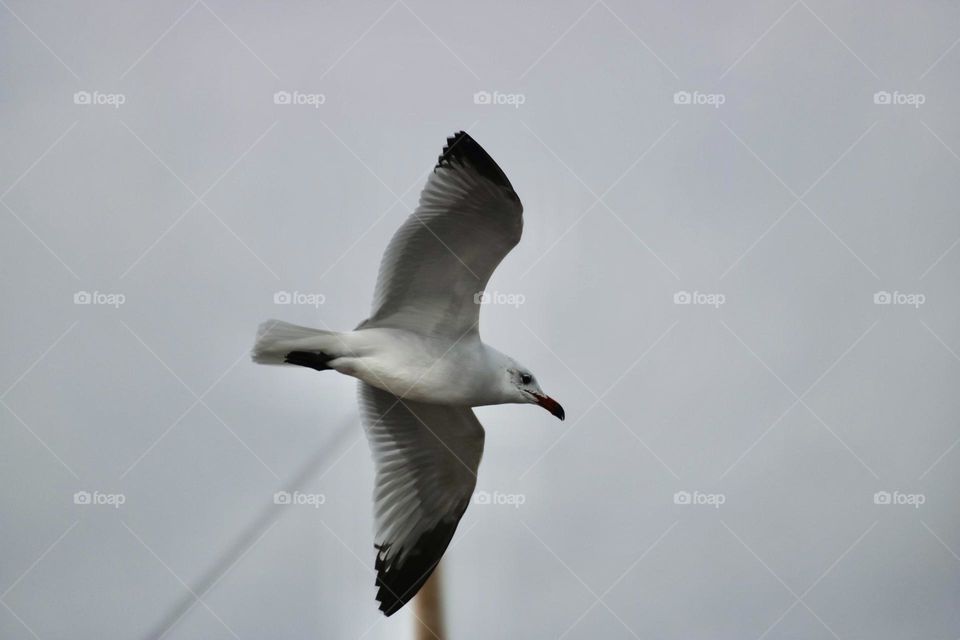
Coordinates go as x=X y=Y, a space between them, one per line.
x=427 y=458
x=468 y=220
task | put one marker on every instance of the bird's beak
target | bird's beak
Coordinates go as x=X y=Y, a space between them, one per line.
x=550 y=405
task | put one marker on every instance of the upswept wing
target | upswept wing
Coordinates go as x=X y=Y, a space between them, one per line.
x=468 y=219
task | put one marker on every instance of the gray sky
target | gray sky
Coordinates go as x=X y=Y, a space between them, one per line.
x=790 y=170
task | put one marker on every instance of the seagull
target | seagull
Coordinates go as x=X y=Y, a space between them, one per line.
x=421 y=364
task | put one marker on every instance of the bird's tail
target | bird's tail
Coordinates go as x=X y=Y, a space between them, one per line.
x=277 y=340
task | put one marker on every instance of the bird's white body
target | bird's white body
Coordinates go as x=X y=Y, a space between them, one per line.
x=465 y=373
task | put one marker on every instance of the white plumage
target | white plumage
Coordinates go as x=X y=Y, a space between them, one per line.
x=421 y=362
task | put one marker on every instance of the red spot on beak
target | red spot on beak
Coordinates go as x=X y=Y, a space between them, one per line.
x=550 y=405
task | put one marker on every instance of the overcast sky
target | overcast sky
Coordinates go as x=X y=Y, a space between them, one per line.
x=738 y=274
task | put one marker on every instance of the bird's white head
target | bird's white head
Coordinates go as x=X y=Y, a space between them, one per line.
x=522 y=387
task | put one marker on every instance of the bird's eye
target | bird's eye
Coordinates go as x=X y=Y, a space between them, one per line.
x=526 y=378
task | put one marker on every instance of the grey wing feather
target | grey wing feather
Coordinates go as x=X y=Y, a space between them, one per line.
x=426 y=457
x=468 y=220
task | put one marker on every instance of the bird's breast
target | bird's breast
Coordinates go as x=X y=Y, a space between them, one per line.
x=418 y=369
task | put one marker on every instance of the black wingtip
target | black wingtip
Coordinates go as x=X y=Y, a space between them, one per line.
x=398 y=583
x=461 y=148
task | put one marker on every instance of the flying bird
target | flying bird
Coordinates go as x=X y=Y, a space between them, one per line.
x=422 y=365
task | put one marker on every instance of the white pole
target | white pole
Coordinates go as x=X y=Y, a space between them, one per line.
x=428 y=605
